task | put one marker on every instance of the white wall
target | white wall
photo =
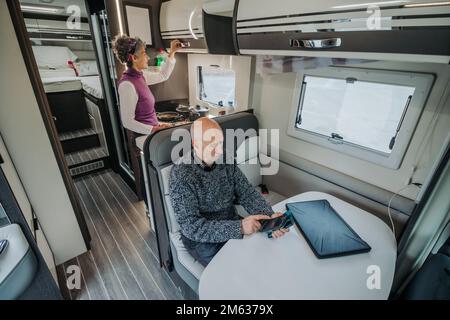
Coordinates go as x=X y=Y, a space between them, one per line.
x=176 y=87
x=272 y=101
x=25 y=137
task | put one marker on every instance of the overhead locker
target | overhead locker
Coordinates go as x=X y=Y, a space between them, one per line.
x=183 y=20
x=201 y=25
x=398 y=30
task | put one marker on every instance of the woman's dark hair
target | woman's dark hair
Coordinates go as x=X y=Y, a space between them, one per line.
x=124 y=47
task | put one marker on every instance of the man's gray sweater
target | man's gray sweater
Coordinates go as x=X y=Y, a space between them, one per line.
x=203 y=201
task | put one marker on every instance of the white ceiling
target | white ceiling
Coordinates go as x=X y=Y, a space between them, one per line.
x=60 y=3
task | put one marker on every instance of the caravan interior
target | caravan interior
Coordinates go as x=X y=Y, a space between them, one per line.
x=343 y=101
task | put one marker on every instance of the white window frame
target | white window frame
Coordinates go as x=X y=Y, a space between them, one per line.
x=198 y=84
x=421 y=82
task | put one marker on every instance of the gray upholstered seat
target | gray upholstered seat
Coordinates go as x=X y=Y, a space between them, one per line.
x=247 y=159
x=248 y=162
x=182 y=255
x=157 y=148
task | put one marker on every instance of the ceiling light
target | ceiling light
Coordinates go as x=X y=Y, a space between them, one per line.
x=429 y=4
x=369 y=4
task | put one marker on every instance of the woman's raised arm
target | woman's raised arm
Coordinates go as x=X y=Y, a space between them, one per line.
x=166 y=68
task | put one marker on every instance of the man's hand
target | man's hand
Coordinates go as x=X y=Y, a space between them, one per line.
x=250 y=224
x=281 y=232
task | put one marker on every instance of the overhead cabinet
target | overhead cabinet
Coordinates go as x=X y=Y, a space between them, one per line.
x=183 y=20
x=204 y=26
x=398 y=30
x=40 y=29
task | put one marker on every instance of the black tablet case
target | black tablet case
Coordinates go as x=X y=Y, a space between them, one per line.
x=326 y=232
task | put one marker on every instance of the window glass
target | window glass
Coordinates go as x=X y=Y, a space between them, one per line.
x=364 y=113
x=216 y=85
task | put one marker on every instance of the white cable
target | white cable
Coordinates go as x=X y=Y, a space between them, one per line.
x=389 y=206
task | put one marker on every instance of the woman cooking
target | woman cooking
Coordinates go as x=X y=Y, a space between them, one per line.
x=137 y=103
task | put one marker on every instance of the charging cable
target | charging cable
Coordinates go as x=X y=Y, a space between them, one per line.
x=408 y=183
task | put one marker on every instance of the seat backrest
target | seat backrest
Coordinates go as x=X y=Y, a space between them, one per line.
x=247 y=159
x=172 y=221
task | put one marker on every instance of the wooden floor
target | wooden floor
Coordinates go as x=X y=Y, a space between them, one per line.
x=122 y=262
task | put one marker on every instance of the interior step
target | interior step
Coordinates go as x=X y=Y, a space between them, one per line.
x=79 y=140
x=76 y=134
x=85 y=156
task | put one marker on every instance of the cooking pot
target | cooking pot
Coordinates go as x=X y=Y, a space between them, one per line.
x=201 y=111
x=184 y=111
x=168 y=116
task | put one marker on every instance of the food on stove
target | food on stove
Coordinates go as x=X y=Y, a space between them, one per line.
x=167 y=116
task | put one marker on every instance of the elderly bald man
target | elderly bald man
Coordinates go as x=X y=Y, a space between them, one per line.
x=204 y=192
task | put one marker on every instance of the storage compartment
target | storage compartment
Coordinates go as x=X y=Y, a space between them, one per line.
x=201 y=25
x=218 y=23
x=69 y=110
x=345 y=29
x=41 y=29
x=183 y=20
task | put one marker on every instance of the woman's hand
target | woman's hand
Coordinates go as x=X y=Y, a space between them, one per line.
x=175 y=45
x=162 y=125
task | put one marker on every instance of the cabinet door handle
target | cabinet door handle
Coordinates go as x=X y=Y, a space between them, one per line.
x=315 y=43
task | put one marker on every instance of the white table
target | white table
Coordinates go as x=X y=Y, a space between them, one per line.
x=286 y=268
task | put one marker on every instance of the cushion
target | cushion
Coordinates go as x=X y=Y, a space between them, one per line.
x=87 y=68
x=247 y=150
x=185 y=258
x=53 y=57
x=248 y=161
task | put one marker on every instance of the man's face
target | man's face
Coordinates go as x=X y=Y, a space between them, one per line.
x=209 y=146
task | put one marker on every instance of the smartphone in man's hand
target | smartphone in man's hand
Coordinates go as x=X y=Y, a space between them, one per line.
x=275 y=224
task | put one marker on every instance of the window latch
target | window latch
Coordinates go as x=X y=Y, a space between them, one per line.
x=300 y=105
x=336 y=138
x=299 y=120
x=392 y=142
